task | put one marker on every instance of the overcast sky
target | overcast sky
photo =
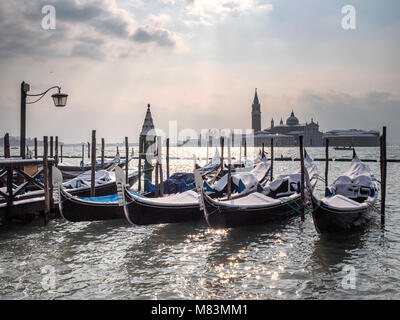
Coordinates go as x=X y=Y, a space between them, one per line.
x=198 y=62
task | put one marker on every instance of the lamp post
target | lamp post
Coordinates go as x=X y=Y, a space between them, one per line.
x=59 y=99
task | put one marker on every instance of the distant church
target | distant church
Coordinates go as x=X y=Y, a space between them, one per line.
x=284 y=134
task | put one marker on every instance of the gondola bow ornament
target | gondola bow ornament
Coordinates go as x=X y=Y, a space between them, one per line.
x=121 y=184
x=199 y=187
x=57 y=183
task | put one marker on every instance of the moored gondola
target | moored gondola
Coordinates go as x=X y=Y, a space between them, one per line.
x=182 y=207
x=75 y=209
x=99 y=208
x=348 y=203
x=80 y=186
x=185 y=206
x=278 y=201
x=71 y=171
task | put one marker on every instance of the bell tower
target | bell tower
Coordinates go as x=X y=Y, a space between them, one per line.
x=256 y=114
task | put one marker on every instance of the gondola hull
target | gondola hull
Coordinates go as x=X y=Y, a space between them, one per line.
x=76 y=210
x=331 y=220
x=141 y=213
x=37 y=202
x=221 y=216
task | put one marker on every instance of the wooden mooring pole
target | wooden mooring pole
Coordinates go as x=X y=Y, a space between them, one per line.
x=7 y=153
x=83 y=154
x=245 y=149
x=46 y=180
x=156 y=178
x=140 y=173
x=383 y=175
x=167 y=160
x=61 y=150
x=126 y=160
x=159 y=159
x=272 y=160
x=326 y=161
x=240 y=152
x=51 y=147
x=35 y=148
x=56 y=151
x=88 y=149
x=302 y=199
x=222 y=153
x=102 y=152
x=10 y=172
x=93 y=175
x=229 y=171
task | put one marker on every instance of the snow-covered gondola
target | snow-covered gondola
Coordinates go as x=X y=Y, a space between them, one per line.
x=78 y=187
x=176 y=208
x=71 y=171
x=104 y=183
x=77 y=208
x=181 y=207
x=242 y=182
x=185 y=206
x=348 y=202
x=278 y=201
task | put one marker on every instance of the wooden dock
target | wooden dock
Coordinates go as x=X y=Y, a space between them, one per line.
x=27 y=172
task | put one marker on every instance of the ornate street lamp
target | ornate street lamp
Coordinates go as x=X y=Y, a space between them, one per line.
x=60 y=100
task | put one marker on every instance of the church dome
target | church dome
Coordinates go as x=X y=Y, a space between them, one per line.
x=292 y=120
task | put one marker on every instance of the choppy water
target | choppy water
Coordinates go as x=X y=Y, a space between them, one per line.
x=114 y=260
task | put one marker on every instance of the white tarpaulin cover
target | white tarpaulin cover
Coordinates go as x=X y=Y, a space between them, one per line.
x=342 y=202
x=356 y=183
x=84 y=179
x=249 y=180
x=292 y=181
x=358 y=173
x=185 y=198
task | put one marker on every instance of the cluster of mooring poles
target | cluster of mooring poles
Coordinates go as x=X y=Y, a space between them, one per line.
x=51 y=158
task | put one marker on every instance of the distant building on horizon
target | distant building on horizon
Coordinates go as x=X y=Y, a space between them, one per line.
x=287 y=134
x=353 y=138
x=293 y=128
x=256 y=114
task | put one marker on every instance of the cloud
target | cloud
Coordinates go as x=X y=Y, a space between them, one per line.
x=162 y=37
x=208 y=12
x=159 y=20
x=108 y=29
